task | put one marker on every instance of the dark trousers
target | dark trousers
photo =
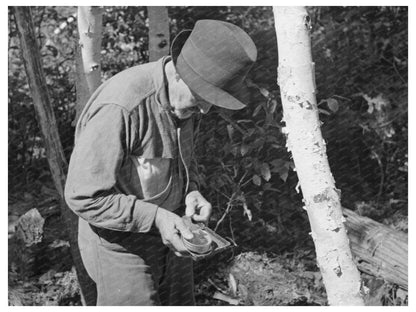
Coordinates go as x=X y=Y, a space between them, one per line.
x=134 y=268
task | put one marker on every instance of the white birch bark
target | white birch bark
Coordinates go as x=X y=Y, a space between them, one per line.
x=304 y=139
x=88 y=56
x=158 y=32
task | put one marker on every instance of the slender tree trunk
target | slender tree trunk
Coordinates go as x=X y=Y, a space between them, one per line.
x=304 y=139
x=81 y=85
x=47 y=122
x=43 y=107
x=158 y=32
x=88 y=55
x=88 y=73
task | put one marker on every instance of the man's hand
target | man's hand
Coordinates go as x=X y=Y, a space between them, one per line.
x=197 y=207
x=171 y=227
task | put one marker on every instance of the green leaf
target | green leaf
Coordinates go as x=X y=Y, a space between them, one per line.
x=244 y=121
x=256 y=110
x=230 y=131
x=332 y=104
x=281 y=167
x=244 y=149
x=256 y=180
x=321 y=110
x=264 y=92
x=284 y=175
x=272 y=106
x=265 y=171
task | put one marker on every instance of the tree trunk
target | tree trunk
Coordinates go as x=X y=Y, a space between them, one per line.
x=378 y=250
x=304 y=139
x=88 y=79
x=158 y=32
x=43 y=107
x=47 y=122
x=88 y=55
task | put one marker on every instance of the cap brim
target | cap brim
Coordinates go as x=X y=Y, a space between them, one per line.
x=209 y=92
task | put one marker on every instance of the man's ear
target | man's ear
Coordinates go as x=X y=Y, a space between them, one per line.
x=171 y=71
x=177 y=76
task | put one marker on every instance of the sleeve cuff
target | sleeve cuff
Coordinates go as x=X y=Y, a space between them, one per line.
x=193 y=186
x=144 y=217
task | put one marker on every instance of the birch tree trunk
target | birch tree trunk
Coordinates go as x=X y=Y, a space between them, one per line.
x=47 y=122
x=88 y=56
x=158 y=32
x=304 y=139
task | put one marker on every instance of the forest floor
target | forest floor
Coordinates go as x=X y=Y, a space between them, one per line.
x=43 y=274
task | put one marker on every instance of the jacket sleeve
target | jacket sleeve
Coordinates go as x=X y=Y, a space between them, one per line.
x=99 y=152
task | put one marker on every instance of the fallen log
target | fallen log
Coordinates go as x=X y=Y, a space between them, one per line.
x=378 y=250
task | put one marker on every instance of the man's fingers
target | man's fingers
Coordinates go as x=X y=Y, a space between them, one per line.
x=185 y=232
x=177 y=244
x=189 y=210
x=179 y=248
x=204 y=213
x=183 y=255
x=199 y=218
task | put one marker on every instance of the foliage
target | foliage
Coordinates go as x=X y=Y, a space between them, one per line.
x=361 y=73
x=361 y=55
x=125 y=41
x=27 y=162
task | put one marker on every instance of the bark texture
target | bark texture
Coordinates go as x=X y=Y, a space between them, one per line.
x=43 y=107
x=88 y=55
x=378 y=250
x=158 y=32
x=304 y=139
x=47 y=122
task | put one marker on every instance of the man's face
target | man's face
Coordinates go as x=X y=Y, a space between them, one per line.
x=186 y=103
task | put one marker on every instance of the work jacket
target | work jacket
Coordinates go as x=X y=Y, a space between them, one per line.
x=126 y=122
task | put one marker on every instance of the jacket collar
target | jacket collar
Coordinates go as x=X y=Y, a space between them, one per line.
x=160 y=83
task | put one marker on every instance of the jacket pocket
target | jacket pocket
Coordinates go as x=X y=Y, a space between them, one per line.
x=148 y=179
x=154 y=177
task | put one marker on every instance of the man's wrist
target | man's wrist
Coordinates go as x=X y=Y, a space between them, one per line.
x=158 y=216
x=193 y=186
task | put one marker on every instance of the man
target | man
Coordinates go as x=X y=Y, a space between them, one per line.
x=132 y=174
